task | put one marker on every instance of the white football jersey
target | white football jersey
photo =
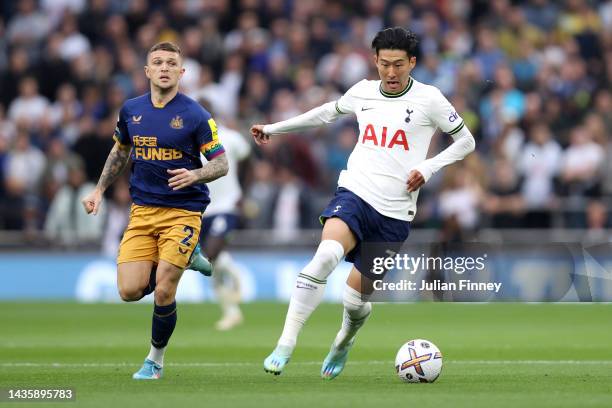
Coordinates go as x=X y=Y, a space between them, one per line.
x=394 y=136
x=225 y=192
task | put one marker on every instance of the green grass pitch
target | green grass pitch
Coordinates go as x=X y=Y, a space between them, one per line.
x=495 y=355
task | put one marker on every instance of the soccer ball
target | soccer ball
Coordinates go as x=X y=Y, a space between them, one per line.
x=418 y=361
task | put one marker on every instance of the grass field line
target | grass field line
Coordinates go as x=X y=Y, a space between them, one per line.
x=255 y=364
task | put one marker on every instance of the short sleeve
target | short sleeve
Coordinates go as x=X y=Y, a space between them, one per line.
x=444 y=115
x=208 y=138
x=121 y=134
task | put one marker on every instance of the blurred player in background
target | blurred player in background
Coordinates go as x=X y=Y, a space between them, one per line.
x=376 y=196
x=164 y=133
x=220 y=219
x=118 y=217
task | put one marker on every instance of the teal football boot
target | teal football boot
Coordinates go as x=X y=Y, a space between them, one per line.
x=149 y=371
x=335 y=361
x=200 y=263
x=276 y=361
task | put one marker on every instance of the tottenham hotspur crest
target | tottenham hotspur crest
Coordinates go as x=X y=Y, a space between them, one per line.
x=409 y=112
x=176 y=122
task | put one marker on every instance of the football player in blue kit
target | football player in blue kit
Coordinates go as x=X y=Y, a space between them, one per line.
x=163 y=132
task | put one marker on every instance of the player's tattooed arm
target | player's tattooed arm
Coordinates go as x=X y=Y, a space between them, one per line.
x=217 y=167
x=212 y=170
x=115 y=163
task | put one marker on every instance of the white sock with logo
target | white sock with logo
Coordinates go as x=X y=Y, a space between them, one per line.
x=157 y=355
x=308 y=291
x=356 y=312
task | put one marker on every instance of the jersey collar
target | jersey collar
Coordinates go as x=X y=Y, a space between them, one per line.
x=161 y=106
x=397 y=95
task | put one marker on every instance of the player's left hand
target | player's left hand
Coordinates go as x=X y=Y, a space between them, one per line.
x=181 y=178
x=415 y=181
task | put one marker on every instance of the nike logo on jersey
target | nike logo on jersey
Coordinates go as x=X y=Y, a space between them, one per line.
x=363 y=108
x=338 y=207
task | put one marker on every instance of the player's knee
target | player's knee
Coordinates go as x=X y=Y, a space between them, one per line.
x=328 y=255
x=164 y=294
x=355 y=303
x=130 y=294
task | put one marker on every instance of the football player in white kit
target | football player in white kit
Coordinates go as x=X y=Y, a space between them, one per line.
x=376 y=196
x=220 y=219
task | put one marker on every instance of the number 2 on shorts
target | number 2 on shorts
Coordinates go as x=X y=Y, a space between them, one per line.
x=189 y=230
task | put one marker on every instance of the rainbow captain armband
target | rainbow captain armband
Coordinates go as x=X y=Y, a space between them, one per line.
x=212 y=149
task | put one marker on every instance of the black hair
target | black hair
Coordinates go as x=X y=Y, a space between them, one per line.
x=396 y=38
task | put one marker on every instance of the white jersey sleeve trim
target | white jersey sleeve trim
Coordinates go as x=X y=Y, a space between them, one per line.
x=462 y=145
x=340 y=111
x=321 y=115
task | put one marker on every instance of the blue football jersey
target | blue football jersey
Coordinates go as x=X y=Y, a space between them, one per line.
x=162 y=138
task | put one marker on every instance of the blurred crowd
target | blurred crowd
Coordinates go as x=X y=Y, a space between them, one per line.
x=530 y=78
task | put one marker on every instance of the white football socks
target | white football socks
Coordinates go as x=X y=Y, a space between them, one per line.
x=308 y=290
x=356 y=312
x=227 y=284
x=157 y=355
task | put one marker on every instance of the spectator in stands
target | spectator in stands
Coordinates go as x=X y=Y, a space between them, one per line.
x=581 y=174
x=18 y=68
x=65 y=112
x=538 y=165
x=3 y=46
x=581 y=164
x=94 y=144
x=505 y=104
x=596 y=222
x=7 y=128
x=459 y=203
x=66 y=222
x=504 y=202
x=73 y=42
x=488 y=56
x=338 y=154
x=29 y=108
x=23 y=166
x=117 y=219
x=56 y=170
x=51 y=70
x=259 y=197
x=508 y=66
x=291 y=210
x=28 y=26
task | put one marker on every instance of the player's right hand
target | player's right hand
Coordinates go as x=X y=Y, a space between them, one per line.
x=258 y=135
x=415 y=181
x=92 y=201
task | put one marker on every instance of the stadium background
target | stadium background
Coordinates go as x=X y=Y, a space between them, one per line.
x=530 y=78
